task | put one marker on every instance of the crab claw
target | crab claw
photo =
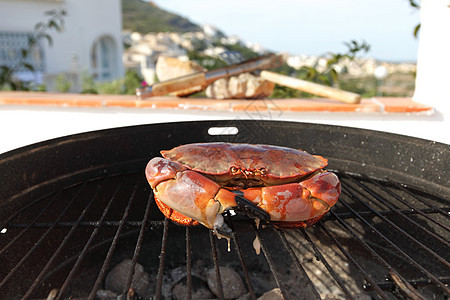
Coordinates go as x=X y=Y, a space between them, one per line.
x=300 y=203
x=194 y=196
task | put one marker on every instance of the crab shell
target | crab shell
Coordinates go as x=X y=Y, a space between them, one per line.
x=198 y=182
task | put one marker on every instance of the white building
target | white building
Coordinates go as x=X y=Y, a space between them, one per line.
x=433 y=60
x=90 y=41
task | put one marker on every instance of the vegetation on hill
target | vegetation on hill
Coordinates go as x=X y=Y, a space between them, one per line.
x=146 y=17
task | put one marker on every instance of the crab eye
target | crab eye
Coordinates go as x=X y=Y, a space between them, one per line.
x=263 y=171
x=233 y=170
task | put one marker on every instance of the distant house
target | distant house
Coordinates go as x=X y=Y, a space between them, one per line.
x=89 y=43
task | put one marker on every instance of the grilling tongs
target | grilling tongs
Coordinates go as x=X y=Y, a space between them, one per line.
x=203 y=79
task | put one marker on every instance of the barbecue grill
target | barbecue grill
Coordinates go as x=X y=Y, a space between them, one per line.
x=74 y=208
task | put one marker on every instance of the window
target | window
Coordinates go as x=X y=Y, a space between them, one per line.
x=104 y=59
x=11 y=46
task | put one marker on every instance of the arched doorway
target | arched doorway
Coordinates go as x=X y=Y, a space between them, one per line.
x=104 y=59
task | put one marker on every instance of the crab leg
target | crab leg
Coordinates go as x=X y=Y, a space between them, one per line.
x=193 y=195
x=297 y=202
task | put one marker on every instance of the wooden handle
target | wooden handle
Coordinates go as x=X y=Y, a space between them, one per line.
x=311 y=87
x=179 y=83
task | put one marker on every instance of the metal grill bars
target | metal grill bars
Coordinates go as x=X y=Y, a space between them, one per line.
x=353 y=223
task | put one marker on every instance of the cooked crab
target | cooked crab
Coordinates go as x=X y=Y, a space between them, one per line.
x=196 y=183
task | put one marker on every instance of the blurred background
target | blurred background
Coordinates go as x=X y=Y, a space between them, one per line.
x=392 y=53
x=112 y=46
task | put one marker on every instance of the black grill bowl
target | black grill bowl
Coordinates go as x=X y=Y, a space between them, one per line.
x=74 y=207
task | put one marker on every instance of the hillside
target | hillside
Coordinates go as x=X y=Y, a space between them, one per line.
x=146 y=17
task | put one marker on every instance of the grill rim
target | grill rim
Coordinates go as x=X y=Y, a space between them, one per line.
x=349 y=149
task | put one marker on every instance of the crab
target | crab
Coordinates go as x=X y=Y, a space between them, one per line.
x=196 y=183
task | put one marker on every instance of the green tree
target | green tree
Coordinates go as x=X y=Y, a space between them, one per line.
x=62 y=84
x=131 y=82
x=326 y=75
x=415 y=4
x=329 y=75
x=122 y=86
x=87 y=83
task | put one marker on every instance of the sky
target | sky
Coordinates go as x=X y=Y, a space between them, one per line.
x=313 y=27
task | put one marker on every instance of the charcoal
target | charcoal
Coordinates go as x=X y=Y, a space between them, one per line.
x=105 y=295
x=117 y=278
x=274 y=294
x=233 y=286
x=199 y=289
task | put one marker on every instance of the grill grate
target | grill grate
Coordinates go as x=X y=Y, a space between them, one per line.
x=382 y=239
